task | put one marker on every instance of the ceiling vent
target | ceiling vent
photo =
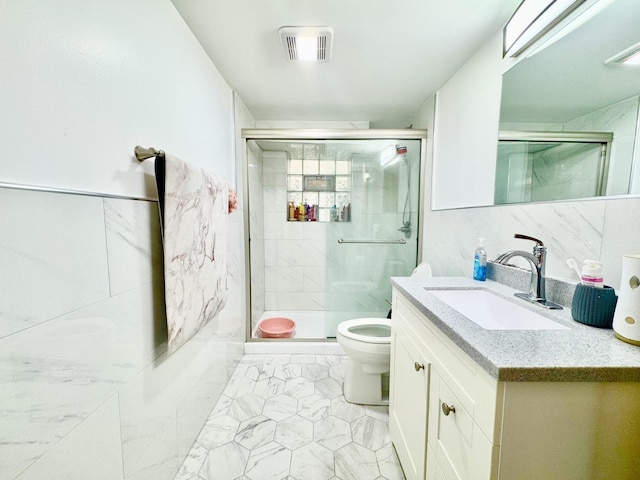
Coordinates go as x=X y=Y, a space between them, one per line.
x=630 y=56
x=310 y=44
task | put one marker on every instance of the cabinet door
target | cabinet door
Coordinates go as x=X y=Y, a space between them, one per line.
x=408 y=404
x=462 y=452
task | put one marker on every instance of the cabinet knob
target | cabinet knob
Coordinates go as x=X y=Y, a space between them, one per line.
x=418 y=366
x=446 y=409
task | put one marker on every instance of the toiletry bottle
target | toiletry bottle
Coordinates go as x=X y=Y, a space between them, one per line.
x=333 y=214
x=591 y=274
x=292 y=215
x=480 y=262
x=301 y=212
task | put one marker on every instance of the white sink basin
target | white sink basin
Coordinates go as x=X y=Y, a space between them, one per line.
x=492 y=312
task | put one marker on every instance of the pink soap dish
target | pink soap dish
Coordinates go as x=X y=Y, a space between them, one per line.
x=276 y=327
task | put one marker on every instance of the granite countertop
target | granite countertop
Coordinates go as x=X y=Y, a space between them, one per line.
x=579 y=354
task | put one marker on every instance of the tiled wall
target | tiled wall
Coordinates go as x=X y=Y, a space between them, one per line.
x=601 y=230
x=295 y=252
x=87 y=388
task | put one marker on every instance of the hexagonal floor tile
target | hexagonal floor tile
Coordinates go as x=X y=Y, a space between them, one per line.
x=294 y=432
x=379 y=412
x=370 y=433
x=269 y=387
x=315 y=372
x=338 y=371
x=312 y=461
x=255 y=432
x=345 y=410
x=227 y=461
x=332 y=432
x=355 y=462
x=299 y=387
x=269 y=462
x=280 y=407
x=245 y=407
x=218 y=431
x=328 y=388
x=287 y=371
x=314 y=407
x=330 y=360
x=239 y=386
x=388 y=463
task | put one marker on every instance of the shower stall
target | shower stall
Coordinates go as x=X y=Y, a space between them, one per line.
x=330 y=217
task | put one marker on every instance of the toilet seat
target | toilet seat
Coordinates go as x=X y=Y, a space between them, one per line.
x=379 y=330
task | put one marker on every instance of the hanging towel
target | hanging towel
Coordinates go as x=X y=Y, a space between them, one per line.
x=193 y=213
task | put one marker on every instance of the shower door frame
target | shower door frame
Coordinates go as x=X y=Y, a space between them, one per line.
x=297 y=135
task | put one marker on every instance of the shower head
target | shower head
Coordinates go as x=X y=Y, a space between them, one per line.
x=401 y=151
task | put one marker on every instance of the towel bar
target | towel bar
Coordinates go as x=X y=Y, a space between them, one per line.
x=387 y=242
x=142 y=153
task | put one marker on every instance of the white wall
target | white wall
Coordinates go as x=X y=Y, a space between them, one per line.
x=87 y=389
x=604 y=229
x=83 y=84
x=466 y=126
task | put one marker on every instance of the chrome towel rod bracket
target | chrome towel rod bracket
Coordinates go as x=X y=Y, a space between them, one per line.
x=142 y=153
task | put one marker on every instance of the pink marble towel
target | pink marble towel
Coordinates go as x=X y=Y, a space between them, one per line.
x=194 y=206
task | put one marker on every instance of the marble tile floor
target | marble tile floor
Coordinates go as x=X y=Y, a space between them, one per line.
x=284 y=417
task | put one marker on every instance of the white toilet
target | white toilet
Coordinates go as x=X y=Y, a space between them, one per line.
x=367 y=342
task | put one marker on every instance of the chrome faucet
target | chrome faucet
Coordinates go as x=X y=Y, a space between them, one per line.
x=537 y=261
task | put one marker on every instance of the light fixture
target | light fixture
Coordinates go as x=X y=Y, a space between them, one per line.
x=628 y=57
x=389 y=156
x=531 y=20
x=306 y=44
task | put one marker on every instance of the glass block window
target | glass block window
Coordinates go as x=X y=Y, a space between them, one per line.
x=319 y=175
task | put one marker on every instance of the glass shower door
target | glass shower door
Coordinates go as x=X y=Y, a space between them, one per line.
x=374 y=234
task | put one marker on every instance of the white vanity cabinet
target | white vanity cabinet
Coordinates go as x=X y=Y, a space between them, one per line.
x=408 y=389
x=451 y=420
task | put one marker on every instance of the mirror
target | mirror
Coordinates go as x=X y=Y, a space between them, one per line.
x=573 y=86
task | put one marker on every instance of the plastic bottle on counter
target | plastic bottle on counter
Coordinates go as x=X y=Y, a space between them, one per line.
x=591 y=274
x=480 y=262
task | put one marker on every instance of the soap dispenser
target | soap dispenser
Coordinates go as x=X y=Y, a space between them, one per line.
x=480 y=262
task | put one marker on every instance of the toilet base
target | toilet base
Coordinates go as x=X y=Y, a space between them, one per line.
x=365 y=388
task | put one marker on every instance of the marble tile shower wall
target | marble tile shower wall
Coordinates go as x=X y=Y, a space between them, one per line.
x=620 y=119
x=603 y=230
x=300 y=257
x=294 y=252
x=87 y=389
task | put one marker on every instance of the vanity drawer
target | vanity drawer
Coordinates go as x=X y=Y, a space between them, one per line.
x=461 y=450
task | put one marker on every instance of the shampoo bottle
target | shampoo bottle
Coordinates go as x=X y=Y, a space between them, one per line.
x=480 y=262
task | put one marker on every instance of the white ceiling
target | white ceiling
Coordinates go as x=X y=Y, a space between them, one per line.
x=389 y=56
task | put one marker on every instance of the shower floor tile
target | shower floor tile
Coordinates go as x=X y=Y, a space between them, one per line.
x=300 y=428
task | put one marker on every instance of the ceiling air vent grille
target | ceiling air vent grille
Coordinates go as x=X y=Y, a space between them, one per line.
x=630 y=56
x=306 y=43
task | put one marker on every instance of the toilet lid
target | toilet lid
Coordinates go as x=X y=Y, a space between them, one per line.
x=367 y=330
